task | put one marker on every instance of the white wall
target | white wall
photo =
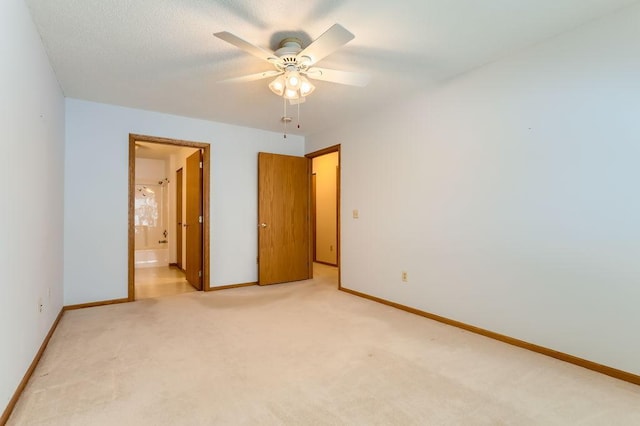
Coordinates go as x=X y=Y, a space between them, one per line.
x=510 y=196
x=97 y=194
x=31 y=172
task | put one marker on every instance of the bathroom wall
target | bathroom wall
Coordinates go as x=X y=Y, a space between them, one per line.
x=150 y=170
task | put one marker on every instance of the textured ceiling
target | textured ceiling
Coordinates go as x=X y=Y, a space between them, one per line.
x=161 y=55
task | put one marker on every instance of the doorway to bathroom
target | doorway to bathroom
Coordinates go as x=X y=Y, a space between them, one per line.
x=161 y=212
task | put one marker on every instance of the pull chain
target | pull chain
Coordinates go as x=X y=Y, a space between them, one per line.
x=284 y=117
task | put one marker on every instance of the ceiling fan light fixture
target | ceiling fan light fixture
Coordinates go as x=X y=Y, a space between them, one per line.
x=291 y=94
x=293 y=80
x=277 y=86
x=293 y=65
x=306 y=88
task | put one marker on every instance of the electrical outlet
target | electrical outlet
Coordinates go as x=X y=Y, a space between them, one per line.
x=40 y=305
x=356 y=214
x=405 y=277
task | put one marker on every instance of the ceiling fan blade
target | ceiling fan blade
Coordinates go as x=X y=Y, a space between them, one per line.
x=256 y=51
x=330 y=41
x=336 y=76
x=252 y=77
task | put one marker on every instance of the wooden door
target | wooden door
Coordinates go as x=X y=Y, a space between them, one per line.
x=283 y=215
x=194 y=220
x=179 y=218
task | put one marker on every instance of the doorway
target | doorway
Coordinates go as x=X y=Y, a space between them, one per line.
x=325 y=208
x=146 y=211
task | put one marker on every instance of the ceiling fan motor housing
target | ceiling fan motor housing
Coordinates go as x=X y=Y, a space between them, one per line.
x=287 y=54
x=289 y=46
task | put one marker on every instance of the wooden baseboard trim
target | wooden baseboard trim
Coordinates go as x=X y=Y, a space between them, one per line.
x=16 y=395
x=335 y=265
x=92 y=304
x=175 y=266
x=226 y=287
x=609 y=371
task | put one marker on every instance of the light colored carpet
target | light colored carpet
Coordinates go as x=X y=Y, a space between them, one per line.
x=300 y=354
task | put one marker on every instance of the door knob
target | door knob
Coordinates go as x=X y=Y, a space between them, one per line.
x=263 y=225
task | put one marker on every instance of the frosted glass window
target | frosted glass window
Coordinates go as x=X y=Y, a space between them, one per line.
x=148 y=205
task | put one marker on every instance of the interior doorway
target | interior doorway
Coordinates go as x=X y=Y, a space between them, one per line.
x=155 y=224
x=325 y=207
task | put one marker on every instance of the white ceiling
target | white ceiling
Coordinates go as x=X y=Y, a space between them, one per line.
x=161 y=55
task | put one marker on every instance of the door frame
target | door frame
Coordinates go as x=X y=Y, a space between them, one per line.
x=179 y=215
x=311 y=156
x=206 y=193
x=313 y=207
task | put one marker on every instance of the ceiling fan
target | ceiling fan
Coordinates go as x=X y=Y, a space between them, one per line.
x=293 y=64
